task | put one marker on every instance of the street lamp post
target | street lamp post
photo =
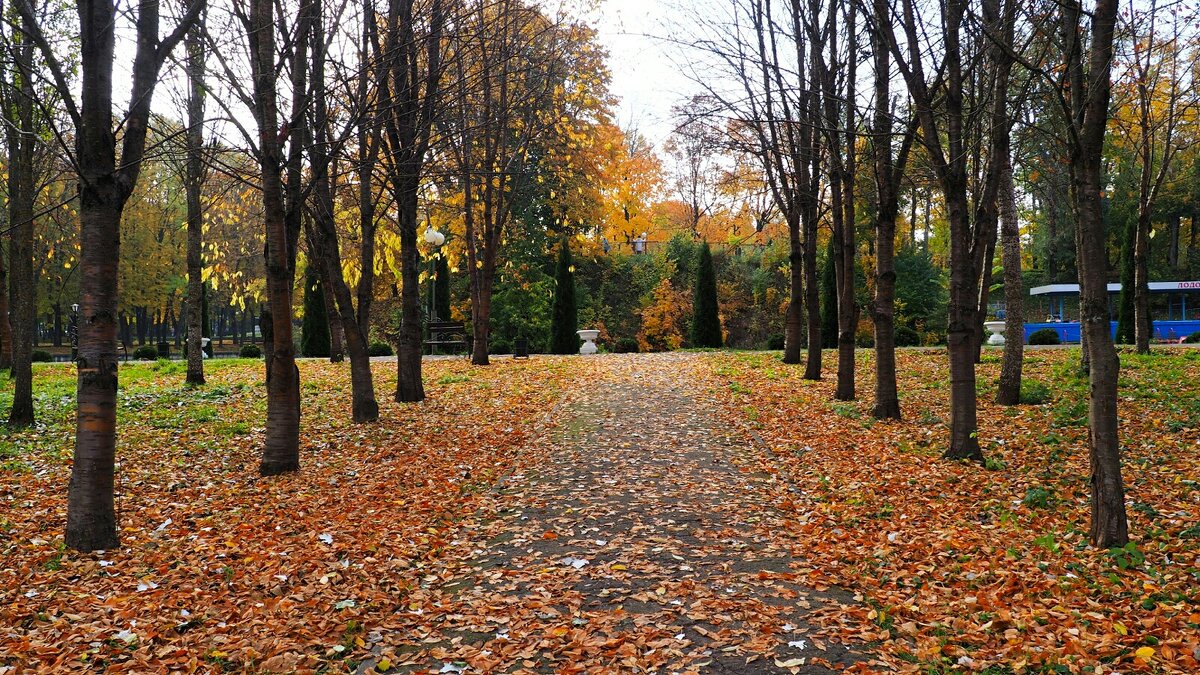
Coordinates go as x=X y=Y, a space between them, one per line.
x=435 y=239
x=75 y=332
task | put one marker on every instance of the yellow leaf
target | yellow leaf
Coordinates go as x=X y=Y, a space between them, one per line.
x=384 y=664
x=1145 y=653
x=619 y=566
x=1120 y=628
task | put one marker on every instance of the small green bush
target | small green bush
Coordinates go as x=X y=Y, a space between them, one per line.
x=1044 y=336
x=250 y=351
x=146 y=353
x=626 y=345
x=864 y=339
x=907 y=337
x=41 y=356
x=1193 y=338
x=1034 y=392
x=499 y=346
x=379 y=349
x=776 y=340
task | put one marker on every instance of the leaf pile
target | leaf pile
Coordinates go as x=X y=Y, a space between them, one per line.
x=220 y=569
x=988 y=569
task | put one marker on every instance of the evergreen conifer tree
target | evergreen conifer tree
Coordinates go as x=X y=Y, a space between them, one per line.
x=706 y=320
x=314 y=335
x=565 y=317
x=829 y=302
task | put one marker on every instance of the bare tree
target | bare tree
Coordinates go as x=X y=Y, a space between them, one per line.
x=104 y=188
x=409 y=103
x=889 y=171
x=18 y=98
x=1084 y=88
x=769 y=51
x=194 y=185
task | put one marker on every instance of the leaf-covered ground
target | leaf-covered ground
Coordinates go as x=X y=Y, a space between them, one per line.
x=973 y=568
x=220 y=569
x=630 y=513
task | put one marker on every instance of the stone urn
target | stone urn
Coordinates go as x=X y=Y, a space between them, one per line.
x=589 y=340
x=996 y=328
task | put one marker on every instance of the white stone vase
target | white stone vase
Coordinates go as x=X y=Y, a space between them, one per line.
x=997 y=332
x=589 y=340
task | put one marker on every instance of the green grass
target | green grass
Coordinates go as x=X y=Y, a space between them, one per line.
x=151 y=394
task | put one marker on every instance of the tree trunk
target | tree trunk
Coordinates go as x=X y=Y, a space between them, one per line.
x=1109 y=527
x=195 y=215
x=1143 y=323
x=5 y=325
x=812 y=297
x=794 y=320
x=281 y=451
x=409 y=387
x=22 y=282
x=844 y=193
x=1008 y=391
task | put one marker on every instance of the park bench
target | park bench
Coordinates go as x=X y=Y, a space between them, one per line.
x=447 y=334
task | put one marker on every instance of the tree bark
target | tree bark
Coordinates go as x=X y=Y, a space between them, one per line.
x=281 y=451
x=888 y=174
x=1008 y=391
x=1089 y=116
x=21 y=192
x=194 y=139
x=794 y=319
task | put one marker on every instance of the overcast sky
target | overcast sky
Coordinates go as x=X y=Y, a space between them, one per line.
x=644 y=72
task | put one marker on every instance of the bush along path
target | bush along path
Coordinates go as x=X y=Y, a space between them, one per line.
x=642 y=543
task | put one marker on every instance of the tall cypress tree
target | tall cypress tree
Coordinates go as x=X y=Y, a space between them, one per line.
x=565 y=319
x=706 y=320
x=314 y=335
x=829 y=303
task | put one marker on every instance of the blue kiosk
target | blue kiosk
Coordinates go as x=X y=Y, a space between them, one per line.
x=1062 y=300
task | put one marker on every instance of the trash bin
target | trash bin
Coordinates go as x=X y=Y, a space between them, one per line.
x=521 y=348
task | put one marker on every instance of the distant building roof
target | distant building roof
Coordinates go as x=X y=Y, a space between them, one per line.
x=1155 y=287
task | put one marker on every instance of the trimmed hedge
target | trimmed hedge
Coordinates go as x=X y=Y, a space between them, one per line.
x=41 y=356
x=146 y=353
x=379 y=349
x=626 y=345
x=907 y=337
x=250 y=351
x=1044 y=336
x=1193 y=338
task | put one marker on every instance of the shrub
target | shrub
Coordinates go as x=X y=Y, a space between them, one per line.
x=1034 y=392
x=250 y=351
x=1044 y=336
x=146 y=353
x=1193 y=338
x=776 y=340
x=907 y=337
x=41 y=356
x=625 y=345
x=864 y=337
x=500 y=346
x=379 y=349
